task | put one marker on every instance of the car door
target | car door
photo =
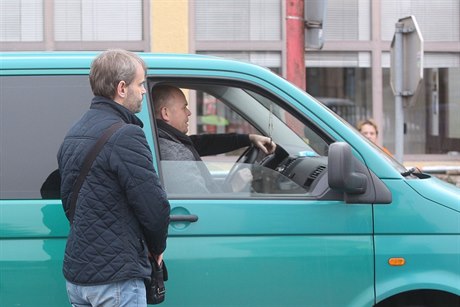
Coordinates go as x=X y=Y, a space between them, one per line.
x=287 y=239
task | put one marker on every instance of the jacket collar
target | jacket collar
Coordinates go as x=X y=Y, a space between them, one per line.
x=102 y=103
x=167 y=131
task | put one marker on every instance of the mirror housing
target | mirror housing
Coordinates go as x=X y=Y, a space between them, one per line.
x=342 y=174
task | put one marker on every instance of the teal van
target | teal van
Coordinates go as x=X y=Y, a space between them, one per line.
x=327 y=220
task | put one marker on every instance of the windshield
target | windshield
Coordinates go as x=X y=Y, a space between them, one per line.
x=298 y=139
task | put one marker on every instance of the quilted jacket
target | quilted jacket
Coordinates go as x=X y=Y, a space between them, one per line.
x=122 y=212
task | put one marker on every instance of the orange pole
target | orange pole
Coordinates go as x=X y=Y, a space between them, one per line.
x=295 y=40
x=295 y=56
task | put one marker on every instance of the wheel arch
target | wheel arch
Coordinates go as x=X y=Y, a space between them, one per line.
x=421 y=297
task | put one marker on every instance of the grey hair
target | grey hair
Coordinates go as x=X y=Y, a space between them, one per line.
x=111 y=67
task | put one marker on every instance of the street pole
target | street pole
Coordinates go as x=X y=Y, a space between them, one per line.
x=398 y=84
x=295 y=43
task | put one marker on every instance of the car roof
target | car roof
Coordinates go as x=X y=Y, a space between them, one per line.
x=82 y=60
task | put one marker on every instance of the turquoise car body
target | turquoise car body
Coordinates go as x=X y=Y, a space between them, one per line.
x=255 y=252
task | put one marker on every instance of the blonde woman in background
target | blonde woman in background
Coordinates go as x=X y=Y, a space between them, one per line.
x=369 y=129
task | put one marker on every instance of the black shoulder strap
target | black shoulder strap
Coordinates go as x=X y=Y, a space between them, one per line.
x=89 y=159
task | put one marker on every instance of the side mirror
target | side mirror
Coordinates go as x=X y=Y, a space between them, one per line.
x=342 y=174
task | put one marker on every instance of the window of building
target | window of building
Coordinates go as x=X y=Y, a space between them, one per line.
x=342 y=81
x=21 y=21
x=81 y=20
x=73 y=25
x=238 y=20
x=348 y=20
x=438 y=20
x=431 y=125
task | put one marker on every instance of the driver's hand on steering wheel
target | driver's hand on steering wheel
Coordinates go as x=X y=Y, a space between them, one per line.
x=264 y=143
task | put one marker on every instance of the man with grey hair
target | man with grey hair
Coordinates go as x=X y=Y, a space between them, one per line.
x=121 y=215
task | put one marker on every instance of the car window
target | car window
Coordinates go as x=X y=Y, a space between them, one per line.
x=36 y=112
x=297 y=169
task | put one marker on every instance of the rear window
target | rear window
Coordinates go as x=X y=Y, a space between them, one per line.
x=35 y=114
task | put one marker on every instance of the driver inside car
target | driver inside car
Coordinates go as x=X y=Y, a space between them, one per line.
x=191 y=175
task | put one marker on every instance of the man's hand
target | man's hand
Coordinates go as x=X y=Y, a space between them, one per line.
x=264 y=143
x=158 y=259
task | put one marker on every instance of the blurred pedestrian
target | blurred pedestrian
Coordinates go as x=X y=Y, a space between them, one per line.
x=370 y=130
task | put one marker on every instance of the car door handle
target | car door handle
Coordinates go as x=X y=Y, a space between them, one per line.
x=183 y=218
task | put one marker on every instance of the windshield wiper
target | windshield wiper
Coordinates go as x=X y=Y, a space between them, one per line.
x=411 y=171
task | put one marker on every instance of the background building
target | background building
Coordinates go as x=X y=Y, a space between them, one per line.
x=351 y=74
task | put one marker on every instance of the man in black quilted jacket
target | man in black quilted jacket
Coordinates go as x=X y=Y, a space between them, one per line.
x=122 y=213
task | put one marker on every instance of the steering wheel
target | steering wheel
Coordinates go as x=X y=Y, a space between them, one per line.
x=249 y=156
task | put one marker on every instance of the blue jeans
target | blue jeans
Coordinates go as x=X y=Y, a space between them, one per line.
x=126 y=293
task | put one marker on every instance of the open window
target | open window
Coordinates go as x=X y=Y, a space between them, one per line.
x=296 y=169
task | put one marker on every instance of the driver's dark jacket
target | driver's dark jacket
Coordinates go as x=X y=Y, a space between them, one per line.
x=122 y=212
x=177 y=146
x=203 y=144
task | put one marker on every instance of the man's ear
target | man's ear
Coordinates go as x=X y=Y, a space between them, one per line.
x=164 y=113
x=122 y=89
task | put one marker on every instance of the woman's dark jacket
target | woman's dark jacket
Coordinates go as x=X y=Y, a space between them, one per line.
x=122 y=212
